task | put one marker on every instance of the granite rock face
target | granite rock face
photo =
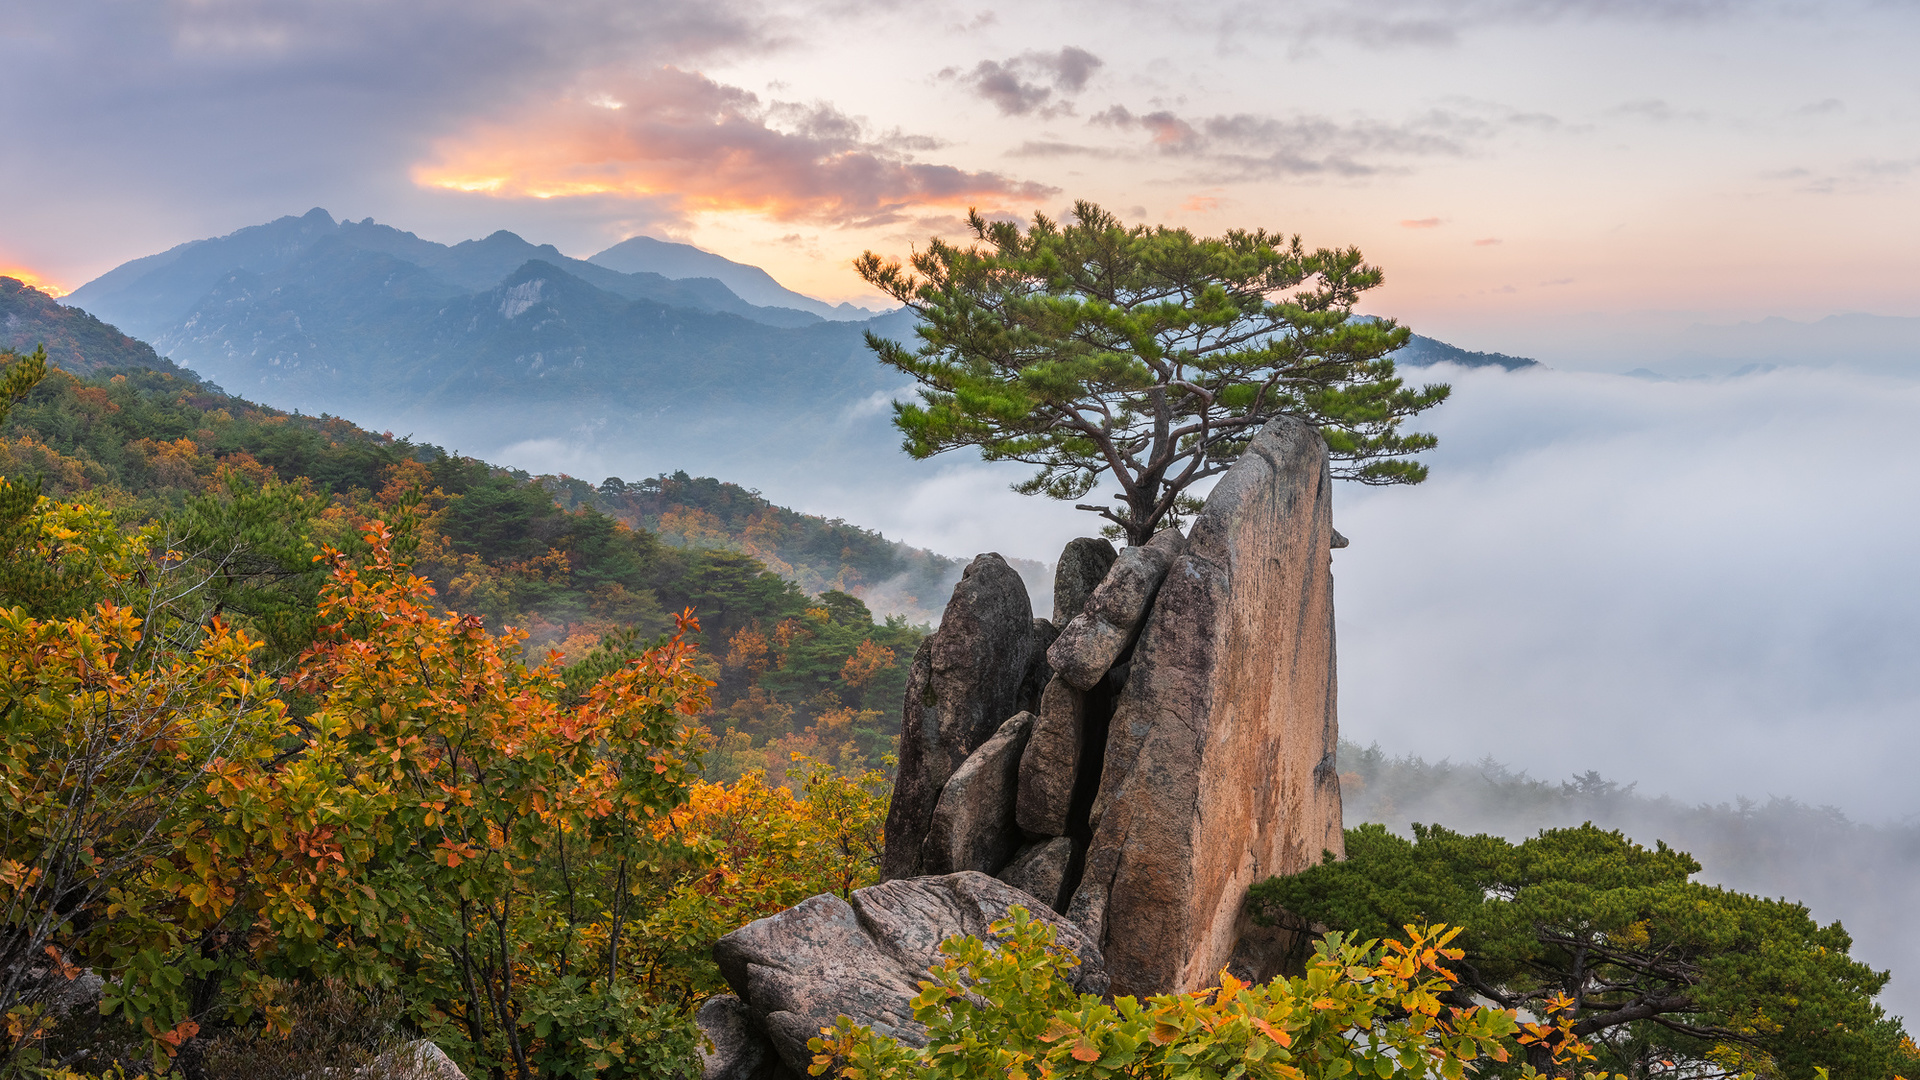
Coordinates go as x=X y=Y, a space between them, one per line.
x=973 y=823
x=1089 y=645
x=799 y=970
x=1082 y=567
x=1219 y=765
x=967 y=678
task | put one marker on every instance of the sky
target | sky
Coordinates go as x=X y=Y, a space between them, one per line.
x=1702 y=585
x=1625 y=169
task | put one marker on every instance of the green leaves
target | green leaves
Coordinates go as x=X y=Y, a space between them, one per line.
x=1146 y=353
x=20 y=375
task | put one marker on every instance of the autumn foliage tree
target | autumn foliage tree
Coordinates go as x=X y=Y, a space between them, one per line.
x=532 y=867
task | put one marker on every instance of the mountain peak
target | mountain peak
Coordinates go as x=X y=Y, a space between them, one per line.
x=669 y=259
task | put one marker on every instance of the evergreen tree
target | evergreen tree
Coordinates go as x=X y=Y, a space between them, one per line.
x=1148 y=353
x=1662 y=975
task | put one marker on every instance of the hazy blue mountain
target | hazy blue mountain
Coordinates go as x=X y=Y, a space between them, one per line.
x=75 y=341
x=1426 y=352
x=644 y=254
x=150 y=297
x=498 y=342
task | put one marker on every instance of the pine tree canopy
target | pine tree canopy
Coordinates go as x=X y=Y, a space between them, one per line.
x=1145 y=352
x=1664 y=976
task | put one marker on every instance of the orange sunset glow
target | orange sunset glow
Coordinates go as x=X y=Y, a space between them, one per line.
x=709 y=148
x=33 y=280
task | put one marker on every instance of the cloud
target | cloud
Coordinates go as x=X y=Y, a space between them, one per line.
x=1702 y=586
x=1027 y=83
x=1443 y=23
x=1421 y=223
x=1487 y=241
x=709 y=147
x=1245 y=146
x=164 y=120
x=1054 y=148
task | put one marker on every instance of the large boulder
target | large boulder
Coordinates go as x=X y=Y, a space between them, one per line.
x=1082 y=567
x=1219 y=763
x=736 y=1049
x=799 y=970
x=973 y=824
x=1090 y=644
x=421 y=1059
x=967 y=679
x=1051 y=764
x=1040 y=870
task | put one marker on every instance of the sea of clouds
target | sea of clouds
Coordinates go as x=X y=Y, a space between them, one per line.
x=1706 y=586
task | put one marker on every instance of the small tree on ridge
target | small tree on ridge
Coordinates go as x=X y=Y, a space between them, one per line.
x=1144 y=352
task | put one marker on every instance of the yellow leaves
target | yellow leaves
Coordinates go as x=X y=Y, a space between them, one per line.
x=1057 y=1029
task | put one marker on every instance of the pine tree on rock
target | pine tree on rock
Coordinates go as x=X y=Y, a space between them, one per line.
x=1145 y=352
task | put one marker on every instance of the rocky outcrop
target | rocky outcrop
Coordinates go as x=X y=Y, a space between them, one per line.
x=1219 y=766
x=796 y=972
x=973 y=824
x=967 y=679
x=1089 y=645
x=1172 y=745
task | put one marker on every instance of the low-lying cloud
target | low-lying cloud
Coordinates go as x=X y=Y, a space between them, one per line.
x=1705 y=587
x=711 y=147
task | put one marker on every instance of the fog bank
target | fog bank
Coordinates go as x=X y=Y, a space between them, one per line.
x=1703 y=587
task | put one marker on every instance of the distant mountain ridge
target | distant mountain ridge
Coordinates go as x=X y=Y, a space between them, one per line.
x=147 y=297
x=644 y=254
x=511 y=351
x=1426 y=352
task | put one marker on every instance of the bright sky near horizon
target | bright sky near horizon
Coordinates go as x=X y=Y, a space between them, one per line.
x=1511 y=163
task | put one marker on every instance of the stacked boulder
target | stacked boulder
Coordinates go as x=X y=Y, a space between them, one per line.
x=1133 y=764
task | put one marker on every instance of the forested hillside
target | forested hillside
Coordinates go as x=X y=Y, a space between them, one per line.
x=260 y=491
x=75 y=340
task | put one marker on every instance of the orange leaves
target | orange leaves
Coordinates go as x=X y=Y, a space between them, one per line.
x=1084 y=1050
x=1278 y=1035
x=748 y=649
x=452 y=855
x=67 y=971
x=868 y=660
x=172 y=1039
